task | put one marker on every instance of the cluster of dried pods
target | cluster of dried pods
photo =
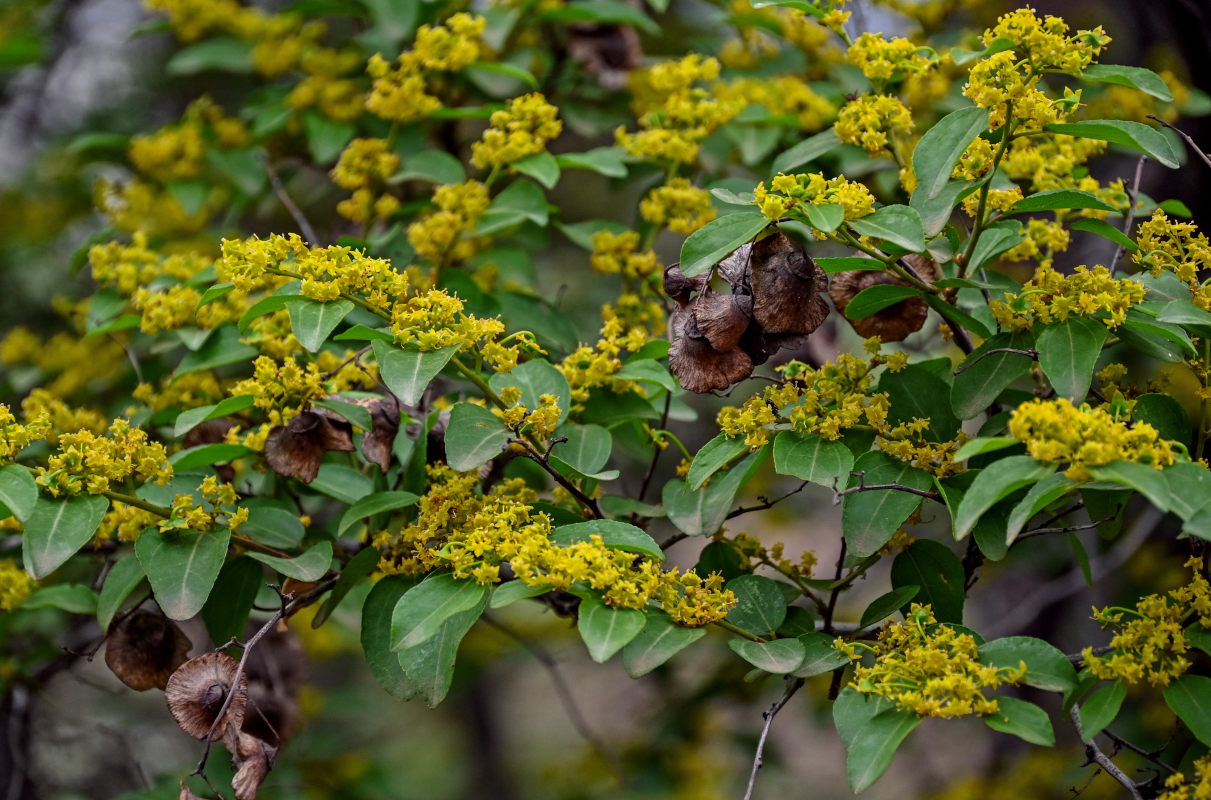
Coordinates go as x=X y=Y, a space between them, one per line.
x=718 y=339
x=146 y=650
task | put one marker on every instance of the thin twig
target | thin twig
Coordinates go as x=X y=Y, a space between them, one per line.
x=543 y=460
x=332 y=372
x=296 y=213
x=1031 y=352
x=1151 y=756
x=647 y=479
x=836 y=592
x=1132 y=194
x=566 y=697
x=792 y=686
x=863 y=486
x=1078 y=659
x=1069 y=529
x=1185 y=136
x=1095 y=754
x=766 y=502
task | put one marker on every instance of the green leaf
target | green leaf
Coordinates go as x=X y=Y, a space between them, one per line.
x=1024 y=720
x=371 y=504
x=310 y=566
x=123 y=577
x=1133 y=135
x=874 y=744
x=996 y=239
x=326 y=138
x=1068 y=354
x=430 y=665
x=933 y=567
x=222 y=348
x=1041 y=495
x=520 y=201
x=702 y=512
x=1106 y=231
x=188 y=420
x=582 y=233
x=878 y=297
x=1190 y=698
x=711 y=243
x=956 y=316
x=1142 y=478
x=820 y=655
x=607 y=630
x=975 y=388
x=812 y=458
x=206 y=454
x=1060 y=198
x=1189 y=487
x=313 y=322
x=508 y=593
x=244 y=167
x=376 y=635
x=760 y=606
x=848 y=263
x=777 y=657
x=219 y=53
x=408 y=373
x=266 y=305
x=587 y=448
x=936 y=211
x=18 y=492
x=214 y=293
x=660 y=640
x=869 y=518
x=915 y=392
x=1199 y=637
x=885 y=605
x=899 y=225
x=714 y=456
x=421 y=613
x=602 y=160
x=510 y=70
x=273 y=525
x=542 y=167
x=1046 y=667
x=1100 y=708
x=993 y=484
x=230 y=602
x=474 y=435
x=824 y=218
x=56 y=529
x=984 y=444
x=343 y=482
x=806 y=151
x=361 y=333
x=1183 y=312
x=436 y=166
x=939 y=149
x=1162 y=340
x=614 y=534
x=182 y=567
x=355 y=570
x=1145 y=80
x=534 y=379
x=74 y=598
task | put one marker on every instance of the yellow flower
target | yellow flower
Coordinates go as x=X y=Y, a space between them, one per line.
x=15 y=584
x=872 y=120
x=788 y=191
x=678 y=205
x=522 y=129
x=1052 y=297
x=882 y=60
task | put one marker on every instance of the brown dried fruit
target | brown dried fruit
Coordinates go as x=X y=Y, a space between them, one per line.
x=722 y=318
x=700 y=367
x=891 y=324
x=295 y=449
x=378 y=441
x=187 y=793
x=144 y=649
x=253 y=760
x=735 y=268
x=680 y=288
x=609 y=52
x=197 y=691
x=786 y=287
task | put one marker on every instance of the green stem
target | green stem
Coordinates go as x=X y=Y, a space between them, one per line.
x=730 y=628
x=795 y=579
x=980 y=223
x=479 y=382
x=131 y=500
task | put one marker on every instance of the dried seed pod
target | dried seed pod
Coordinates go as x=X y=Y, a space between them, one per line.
x=144 y=650
x=700 y=367
x=296 y=449
x=722 y=318
x=197 y=690
x=378 y=441
x=891 y=324
x=609 y=52
x=187 y=793
x=786 y=287
x=253 y=759
x=735 y=269
x=680 y=288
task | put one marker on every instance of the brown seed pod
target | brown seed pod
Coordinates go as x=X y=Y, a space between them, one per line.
x=295 y=449
x=144 y=650
x=891 y=324
x=609 y=52
x=722 y=318
x=700 y=367
x=786 y=287
x=253 y=759
x=197 y=690
x=680 y=288
x=378 y=441
x=735 y=269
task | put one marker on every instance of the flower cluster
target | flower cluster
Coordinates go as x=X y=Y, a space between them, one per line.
x=438 y=237
x=907 y=443
x=69 y=364
x=1052 y=297
x=86 y=462
x=589 y=367
x=221 y=497
x=1149 y=641
x=783 y=95
x=883 y=60
x=363 y=166
x=754 y=553
x=826 y=402
x=15 y=437
x=677 y=205
x=1057 y=431
x=283 y=388
x=399 y=93
x=1177 y=247
x=1044 y=238
x=872 y=122
x=15 y=584
x=474 y=534
x=538 y=423
x=1178 y=787
x=616 y=254
x=929 y=669
x=141 y=206
x=787 y=192
x=178 y=151
x=521 y=129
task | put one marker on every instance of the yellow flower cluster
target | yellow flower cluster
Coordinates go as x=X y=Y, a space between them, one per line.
x=753 y=553
x=15 y=584
x=1177 y=247
x=50 y=416
x=434 y=319
x=221 y=497
x=178 y=151
x=438 y=237
x=675 y=115
x=783 y=95
x=1053 y=162
x=826 y=402
x=140 y=206
x=998 y=200
x=521 y=129
x=1177 y=787
x=69 y=364
x=473 y=534
x=788 y=191
x=589 y=367
x=538 y=423
x=1057 y=431
x=615 y=254
x=282 y=388
x=399 y=93
x=336 y=97
x=882 y=60
x=15 y=437
x=907 y=443
x=677 y=205
x=872 y=121
x=88 y=463
x=363 y=166
x=124 y=523
x=1046 y=43
x=1052 y=297
x=1150 y=641
x=1044 y=238
x=929 y=669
